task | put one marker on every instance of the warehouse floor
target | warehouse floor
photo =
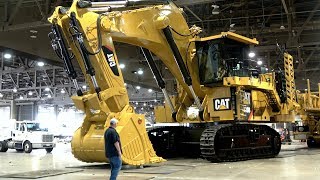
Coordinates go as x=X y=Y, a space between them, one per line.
x=294 y=162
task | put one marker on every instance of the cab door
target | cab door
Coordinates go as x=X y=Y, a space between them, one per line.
x=21 y=132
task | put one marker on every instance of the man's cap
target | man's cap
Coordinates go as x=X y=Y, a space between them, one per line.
x=113 y=121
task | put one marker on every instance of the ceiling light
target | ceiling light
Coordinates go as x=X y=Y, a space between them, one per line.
x=1 y=95
x=47 y=89
x=33 y=31
x=122 y=66
x=259 y=62
x=125 y=84
x=63 y=91
x=144 y=104
x=142 y=108
x=7 y=56
x=282 y=27
x=15 y=90
x=138 y=87
x=49 y=95
x=84 y=87
x=40 y=63
x=30 y=93
x=140 y=72
x=215 y=9
x=252 y=54
x=137 y=103
x=21 y=97
x=149 y=90
x=151 y=106
x=155 y=100
x=134 y=107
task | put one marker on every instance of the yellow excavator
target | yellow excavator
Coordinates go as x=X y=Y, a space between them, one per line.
x=214 y=75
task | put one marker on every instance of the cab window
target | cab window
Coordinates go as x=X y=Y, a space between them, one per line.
x=22 y=128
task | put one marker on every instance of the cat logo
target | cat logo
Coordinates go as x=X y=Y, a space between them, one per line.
x=108 y=52
x=221 y=104
x=111 y=61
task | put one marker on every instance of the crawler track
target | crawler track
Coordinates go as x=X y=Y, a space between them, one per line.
x=235 y=142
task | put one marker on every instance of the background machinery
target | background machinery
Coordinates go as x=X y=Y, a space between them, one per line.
x=309 y=113
x=213 y=74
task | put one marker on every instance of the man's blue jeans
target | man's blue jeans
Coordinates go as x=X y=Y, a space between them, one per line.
x=115 y=164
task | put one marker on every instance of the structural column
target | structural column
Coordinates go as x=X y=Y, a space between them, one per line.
x=13 y=110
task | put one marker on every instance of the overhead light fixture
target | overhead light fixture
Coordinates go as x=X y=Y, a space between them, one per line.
x=252 y=54
x=231 y=27
x=155 y=100
x=138 y=87
x=30 y=93
x=21 y=97
x=149 y=90
x=47 y=89
x=125 y=84
x=62 y=91
x=282 y=27
x=151 y=106
x=7 y=55
x=144 y=104
x=40 y=63
x=49 y=95
x=1 y=95
x=122 y=66
x=137 y=103
x=33 y=31
x=215 y=9
x=84 y=87
x=14 y=90
x=142 y=108
x=259 y=62
x=140 y=72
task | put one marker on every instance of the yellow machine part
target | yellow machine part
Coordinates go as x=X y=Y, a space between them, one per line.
x=88 y=141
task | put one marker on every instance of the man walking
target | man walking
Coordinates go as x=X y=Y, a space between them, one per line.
x=113 y=148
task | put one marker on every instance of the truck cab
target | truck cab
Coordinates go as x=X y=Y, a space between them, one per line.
x=26 y=136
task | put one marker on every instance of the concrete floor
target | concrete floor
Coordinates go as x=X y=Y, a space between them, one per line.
x=294 y=162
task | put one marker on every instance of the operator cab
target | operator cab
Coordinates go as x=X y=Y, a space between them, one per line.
x=220 y=56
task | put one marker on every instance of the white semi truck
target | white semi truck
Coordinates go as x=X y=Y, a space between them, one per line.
x=26 y=136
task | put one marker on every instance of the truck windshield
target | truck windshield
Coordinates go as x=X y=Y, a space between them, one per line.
x=34 y=127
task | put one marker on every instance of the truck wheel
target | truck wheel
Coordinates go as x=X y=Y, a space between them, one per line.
x=49 y=150
x=3 y=146
x=27 y=147
x=311 y=143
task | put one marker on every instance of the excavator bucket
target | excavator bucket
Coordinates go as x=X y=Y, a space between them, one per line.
x=88 y=141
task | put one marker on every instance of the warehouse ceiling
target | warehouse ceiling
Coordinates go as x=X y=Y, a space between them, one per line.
x=290 y=24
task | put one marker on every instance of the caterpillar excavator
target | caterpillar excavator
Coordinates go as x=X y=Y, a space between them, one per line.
x=214 y=75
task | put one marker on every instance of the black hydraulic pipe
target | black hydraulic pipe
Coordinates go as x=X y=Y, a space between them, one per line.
x=153 y=68
x=125 y=3
x=183 y=68
x=159 y=79
x=61 y=50
x=64 y=52
x=177 y=55
x=83 y=52
x=86 y=60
